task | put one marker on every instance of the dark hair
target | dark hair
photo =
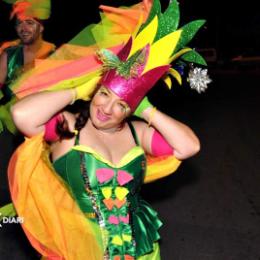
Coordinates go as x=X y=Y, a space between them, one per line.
x=81 y=109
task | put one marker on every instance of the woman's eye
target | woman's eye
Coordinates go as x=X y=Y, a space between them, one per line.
x=122 y=106
x=103 y=93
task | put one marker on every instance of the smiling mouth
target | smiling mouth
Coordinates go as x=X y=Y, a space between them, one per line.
x=25 y=35
x=101 y=117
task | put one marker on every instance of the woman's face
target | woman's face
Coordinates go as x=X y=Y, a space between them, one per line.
x=107 y=110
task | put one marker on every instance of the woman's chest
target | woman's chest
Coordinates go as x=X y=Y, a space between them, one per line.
x=85 y=168
x=112 y=149
x=128 y=174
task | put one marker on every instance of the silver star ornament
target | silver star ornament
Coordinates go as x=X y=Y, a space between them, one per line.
x=198 y=79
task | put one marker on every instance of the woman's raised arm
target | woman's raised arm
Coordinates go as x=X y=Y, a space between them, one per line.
x=179 y=136
x=32 y=112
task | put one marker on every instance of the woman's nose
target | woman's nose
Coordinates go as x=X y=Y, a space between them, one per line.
x=108 y=107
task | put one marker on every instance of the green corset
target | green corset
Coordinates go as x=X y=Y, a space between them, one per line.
x=112 y=198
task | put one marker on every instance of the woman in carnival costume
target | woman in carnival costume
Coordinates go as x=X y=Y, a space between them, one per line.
x=79 y=191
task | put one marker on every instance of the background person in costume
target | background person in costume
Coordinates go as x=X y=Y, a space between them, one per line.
x=17 y=57
x=7 y=44
x=99 y=154
x=23 y=53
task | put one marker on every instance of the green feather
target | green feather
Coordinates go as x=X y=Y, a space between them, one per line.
x=188 y=32
x=173 y=12
x=169 y=20
x=194 y=57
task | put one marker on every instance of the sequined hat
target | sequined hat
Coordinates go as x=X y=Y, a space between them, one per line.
x=126 y=79
x=150 y=54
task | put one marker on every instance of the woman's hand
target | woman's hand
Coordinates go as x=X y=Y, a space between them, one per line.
x=85 y=91
x=144 y=104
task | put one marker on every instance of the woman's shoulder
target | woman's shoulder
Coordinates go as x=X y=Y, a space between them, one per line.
x=138 y=124
x=140 y=127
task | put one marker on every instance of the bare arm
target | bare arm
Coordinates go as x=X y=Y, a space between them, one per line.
x=3 y=68
x=179 y=136
x=32 y=112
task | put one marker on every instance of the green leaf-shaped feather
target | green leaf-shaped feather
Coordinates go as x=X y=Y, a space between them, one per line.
x=194 y=57
x=173 y=15
x=188 y=32
x=169 y=20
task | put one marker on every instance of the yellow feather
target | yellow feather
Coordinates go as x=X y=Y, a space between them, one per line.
x=161 y=50
x=176 y=75
x=87 y=81
x=168 y=81
x=145 y=36
x=179 y=53
x=140 y=22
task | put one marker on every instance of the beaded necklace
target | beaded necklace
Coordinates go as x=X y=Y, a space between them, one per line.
x=95 y=206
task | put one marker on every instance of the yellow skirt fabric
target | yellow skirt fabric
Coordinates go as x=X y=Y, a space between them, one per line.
x=53 y=223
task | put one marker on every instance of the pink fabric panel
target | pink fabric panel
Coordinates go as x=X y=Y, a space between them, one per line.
x=50 y=134
x=104 y=174
x=160 y=146
x=65 y=71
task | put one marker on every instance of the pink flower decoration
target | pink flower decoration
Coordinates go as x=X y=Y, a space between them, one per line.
x=104 y=174
x=123 y=177
x=113 y=220
x=124 y=219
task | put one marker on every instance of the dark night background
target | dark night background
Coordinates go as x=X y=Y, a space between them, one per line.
x=232 y=28
x=211 y=206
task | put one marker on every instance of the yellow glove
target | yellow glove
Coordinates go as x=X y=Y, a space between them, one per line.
x=85 y=90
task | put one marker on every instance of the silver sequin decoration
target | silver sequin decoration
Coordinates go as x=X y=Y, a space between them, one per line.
x=198 y=79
